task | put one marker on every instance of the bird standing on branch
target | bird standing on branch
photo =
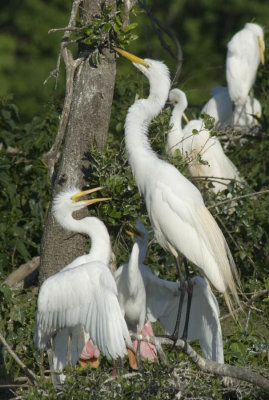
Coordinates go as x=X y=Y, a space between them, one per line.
x=181 y=222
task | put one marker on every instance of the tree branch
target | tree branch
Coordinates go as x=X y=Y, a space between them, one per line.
x=246 y=303
x=22 y=272
x=208 y=365
x=261 y=192
x=71 y=65
x=27 y=371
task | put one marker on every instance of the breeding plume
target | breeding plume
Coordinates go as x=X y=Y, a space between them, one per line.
x=181 y=222
x=244 y=54
x=83 y=294
x=145 y=297
x=220 y=107
x=203 y=152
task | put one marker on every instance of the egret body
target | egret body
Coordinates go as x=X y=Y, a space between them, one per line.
x=181 y=222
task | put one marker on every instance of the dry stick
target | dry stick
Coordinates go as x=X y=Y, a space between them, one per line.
x=261 y=192
x=27 y=371
x=208 y=365
x=246 y=303
x=22 y=272
x=71 y=65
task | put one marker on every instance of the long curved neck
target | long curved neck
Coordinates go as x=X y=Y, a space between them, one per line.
x=138 y=119
x=100 y=242
x=175 y=135
x=133 y=271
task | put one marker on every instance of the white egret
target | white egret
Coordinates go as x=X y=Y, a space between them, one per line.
x=220 y=107
x=145 y=297
x=203 y=152
x=132 y=290
x=81 y=295
x=181 y=222
x=244 y=54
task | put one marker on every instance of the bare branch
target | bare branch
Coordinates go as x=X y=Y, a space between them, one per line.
x=246 y=303
x=261 y=192
x=71 y=65
x=27 y=371
x=22 y=272
x=209 y=366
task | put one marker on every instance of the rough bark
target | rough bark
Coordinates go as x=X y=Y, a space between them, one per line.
x=88 y=123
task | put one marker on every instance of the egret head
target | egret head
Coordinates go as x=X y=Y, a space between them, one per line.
x=138 y=232
x=156 y=71
x=258 y=31
x=70 y=200
x=176 y=96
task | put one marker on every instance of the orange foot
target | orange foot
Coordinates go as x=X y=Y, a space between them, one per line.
x=132 y=359
x=94 y=362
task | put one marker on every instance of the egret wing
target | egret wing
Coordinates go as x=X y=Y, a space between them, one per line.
x=85 y=295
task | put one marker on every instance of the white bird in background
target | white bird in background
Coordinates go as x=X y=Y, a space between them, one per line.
x=81 y=295
x=220 y=107
x=203 y=152
x=244 y=54
x=145 y=297
x=181 y=222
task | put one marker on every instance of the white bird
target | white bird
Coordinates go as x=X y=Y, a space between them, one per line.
x=181 y=222
x=145 y=297
x=204 y=154
x=130 y=283
x=244 y=54
x=220 y=107
x=81 y=295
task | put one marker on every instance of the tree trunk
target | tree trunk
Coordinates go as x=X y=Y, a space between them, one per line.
x=88 y=123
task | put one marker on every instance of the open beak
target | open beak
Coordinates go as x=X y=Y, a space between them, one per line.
x=132 y=57
x=76 y=197
x=261 y=50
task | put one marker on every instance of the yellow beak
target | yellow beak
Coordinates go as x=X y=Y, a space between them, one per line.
x=261 y=50
x=135 y=232
x=75 y=198
x=131 y=57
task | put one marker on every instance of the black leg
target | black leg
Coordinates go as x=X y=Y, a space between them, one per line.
x=183 y=290
x=189 y=291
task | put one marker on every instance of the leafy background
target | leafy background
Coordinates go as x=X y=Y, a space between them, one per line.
x=29 y=115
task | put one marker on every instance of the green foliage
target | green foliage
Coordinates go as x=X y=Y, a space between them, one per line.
x=24 y=186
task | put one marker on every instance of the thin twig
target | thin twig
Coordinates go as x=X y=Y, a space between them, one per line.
x=261 y=192
x=31 y=375
x=246 y=303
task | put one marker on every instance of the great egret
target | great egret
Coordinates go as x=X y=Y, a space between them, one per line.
x=132 y=289
x=181 y=222
x=83 y=295
x=145 y=297
x=220 y=107
x=244 y=54
x=203 y=152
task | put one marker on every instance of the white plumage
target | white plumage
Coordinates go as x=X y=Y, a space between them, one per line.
x=130 y=283
x=244 y=54
x=220 y=107
x=203 y=152
x=180 y=220
x=143 y=296
x=82 y=295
